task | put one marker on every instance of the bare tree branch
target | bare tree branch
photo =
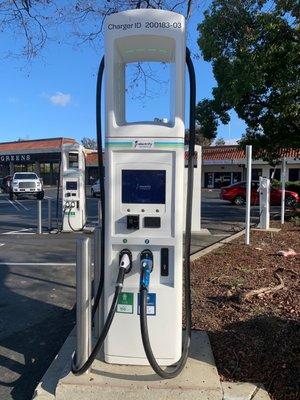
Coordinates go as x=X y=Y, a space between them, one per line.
x=189 y=8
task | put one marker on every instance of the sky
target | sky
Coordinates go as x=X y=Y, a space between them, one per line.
x=54 y=94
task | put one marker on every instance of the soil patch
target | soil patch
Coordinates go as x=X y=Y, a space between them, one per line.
x=254 y=338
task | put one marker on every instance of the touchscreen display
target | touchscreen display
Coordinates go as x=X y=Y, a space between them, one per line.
x=71 y=185
x=143 y=186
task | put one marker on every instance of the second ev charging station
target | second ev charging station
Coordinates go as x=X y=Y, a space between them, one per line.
x=142 y=265
x=264 y=203
x=73 y=187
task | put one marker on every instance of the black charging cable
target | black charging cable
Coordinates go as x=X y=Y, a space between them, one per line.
x=124 y=267
x=173 y=370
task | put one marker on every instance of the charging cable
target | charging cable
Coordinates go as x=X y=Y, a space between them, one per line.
x=125 y=265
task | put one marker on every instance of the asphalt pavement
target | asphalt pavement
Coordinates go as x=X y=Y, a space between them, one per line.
x=37 y=283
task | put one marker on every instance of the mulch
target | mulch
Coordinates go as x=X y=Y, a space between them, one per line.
x=255 y=339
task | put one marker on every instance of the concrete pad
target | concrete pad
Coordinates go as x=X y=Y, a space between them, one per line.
x=202 y=231
x=215 y=245
x=198 y=380
x=244 y=391
x=59 y=367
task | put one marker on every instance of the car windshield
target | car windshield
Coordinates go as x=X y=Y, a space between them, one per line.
x=25 y=176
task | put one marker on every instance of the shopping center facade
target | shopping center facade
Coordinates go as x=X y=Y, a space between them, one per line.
x=222 y=165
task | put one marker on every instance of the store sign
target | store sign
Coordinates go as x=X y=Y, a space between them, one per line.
x=29 y=158
x=7 y=158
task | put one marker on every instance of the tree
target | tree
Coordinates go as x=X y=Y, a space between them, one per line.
x=220 y=142
x=89 y=143
x=34 y=20
x=200 y=139
x=254 y=49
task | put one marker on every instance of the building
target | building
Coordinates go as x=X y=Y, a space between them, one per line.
x=222 y=165
x=40 y=156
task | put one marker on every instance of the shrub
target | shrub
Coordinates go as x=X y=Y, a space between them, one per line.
x=293 y=186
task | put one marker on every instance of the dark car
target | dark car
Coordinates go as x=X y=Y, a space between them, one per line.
x=236 y=194
x=5 y=183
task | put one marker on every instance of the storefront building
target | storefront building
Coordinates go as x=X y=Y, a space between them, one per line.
x=225 y=165
x=40 y=156
x=222 y=165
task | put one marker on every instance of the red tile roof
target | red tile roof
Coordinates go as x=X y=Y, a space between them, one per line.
x=40 y=144
x=223 y=153
x=92 y=160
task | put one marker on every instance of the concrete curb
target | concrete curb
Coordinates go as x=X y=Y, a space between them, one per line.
x=216 y=245
x=244 y=391
x=58 y=368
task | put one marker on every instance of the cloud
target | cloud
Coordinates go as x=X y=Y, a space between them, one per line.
x=60 y=99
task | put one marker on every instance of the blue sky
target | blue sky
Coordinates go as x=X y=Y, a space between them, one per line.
x=54 y=95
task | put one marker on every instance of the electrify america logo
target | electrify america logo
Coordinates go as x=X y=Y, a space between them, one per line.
x=142 y=144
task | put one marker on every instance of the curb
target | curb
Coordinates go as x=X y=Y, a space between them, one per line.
x=216 y=245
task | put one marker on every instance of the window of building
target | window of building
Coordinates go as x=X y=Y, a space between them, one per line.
x=256 y=173
x=222 y=179
x=277 y=173
x=236 y=177
x=20 y=167
x=209 y=179
x=45 y=173
x=294 y=174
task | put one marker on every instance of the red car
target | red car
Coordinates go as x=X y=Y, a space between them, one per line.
x=236 y=194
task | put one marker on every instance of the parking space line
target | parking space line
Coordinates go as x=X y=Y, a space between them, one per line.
x=12 y=203
x=20 y=232
x=28 y=264
x=22 y=205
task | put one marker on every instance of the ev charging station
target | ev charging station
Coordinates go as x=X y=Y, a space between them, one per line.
x=73 y=187
x=142 y=243
x=264 y=202
x=144 y=188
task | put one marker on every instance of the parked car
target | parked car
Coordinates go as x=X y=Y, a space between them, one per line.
x=27 y=183
x=236 y=194
x=5 y=184
x=95 y=189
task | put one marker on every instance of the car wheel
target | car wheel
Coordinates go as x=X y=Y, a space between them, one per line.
x=290 y=201
x=239 y=201
x=93 y=193
x=40 y=196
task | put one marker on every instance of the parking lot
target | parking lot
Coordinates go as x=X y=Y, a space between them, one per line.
x=37 y=283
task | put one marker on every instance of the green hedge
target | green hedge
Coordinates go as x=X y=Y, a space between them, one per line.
x=293 y=186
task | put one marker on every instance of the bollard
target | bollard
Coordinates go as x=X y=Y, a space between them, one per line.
x=283 y=179
x=49 y=215
x=83 y=301
x=97 y=277
x=39 y=217
x=248 y=192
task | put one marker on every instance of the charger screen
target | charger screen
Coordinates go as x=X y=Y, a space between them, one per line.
x=143 y=186
x=71 y=185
